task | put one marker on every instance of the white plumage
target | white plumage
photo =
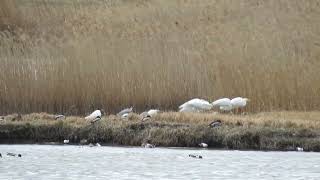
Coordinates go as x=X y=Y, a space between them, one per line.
x=95 y=116
x=124 y=116
x=153 y=112
x=224 y=104
x=125 y=111
x=204 y=145
x=196 y=105
x=239 y=102
x=66 y=141
x=188 y=109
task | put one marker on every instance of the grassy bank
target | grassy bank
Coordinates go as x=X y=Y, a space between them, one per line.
x=74 y=56
x=262 y=131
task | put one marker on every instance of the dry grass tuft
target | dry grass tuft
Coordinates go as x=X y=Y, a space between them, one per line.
x=73 y=57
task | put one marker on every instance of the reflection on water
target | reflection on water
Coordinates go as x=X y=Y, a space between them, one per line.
x=82 y=162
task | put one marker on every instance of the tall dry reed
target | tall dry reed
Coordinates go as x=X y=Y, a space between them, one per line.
x=74 y=56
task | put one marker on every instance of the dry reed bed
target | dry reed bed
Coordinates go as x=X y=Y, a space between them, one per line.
x=262 y=131
x=73 y=57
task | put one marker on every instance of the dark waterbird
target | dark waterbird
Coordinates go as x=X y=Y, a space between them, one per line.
x=13 y=154
x=195 y=156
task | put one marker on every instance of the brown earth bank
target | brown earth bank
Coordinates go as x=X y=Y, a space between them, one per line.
x=282 y=131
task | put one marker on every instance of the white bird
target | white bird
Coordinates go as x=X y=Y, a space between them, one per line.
x=196 y=104
x=94 y=117
x=300 y=149
x=124 y=116
x=147 y=145
x=204 y=145
x=239 y=102
x=60 y=116
x=145 y=116
x=188 y=109
x=153 y=112
x=66 y=141
x=97 y=144
x=224 y=104
x=125 y=111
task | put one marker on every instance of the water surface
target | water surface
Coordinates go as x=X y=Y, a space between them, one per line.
x=83 y=162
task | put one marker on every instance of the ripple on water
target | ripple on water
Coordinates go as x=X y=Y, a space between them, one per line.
x=81 y=162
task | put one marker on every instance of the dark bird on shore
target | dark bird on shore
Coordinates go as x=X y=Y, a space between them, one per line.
x=19 y=155
x=216 y=123
x=195 y=156
x=0 y=155
x=59 y=116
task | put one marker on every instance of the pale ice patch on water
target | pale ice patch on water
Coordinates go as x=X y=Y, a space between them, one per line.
x=83 y=162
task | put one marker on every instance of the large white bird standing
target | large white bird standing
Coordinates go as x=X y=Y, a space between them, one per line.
x=239 y=102
x=224 y=104
x=188 y=109
x=153 y=112
x=196 y=105
x=94 y=117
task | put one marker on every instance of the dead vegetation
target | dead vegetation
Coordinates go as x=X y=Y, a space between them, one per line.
x=73 y=57
x=262 y=131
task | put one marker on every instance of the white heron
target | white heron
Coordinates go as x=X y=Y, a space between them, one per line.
x=94 y=117
x=66 y=141
x=224 y=104
x=196 y=104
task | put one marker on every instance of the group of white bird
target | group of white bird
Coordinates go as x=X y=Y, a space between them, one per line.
x=97 y=114
x=193 y=105
x=224 y=104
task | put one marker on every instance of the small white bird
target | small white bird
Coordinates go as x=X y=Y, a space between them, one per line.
x=153 y=112
x=60 y=116
x=94 y=117
x=147 y=145
x=239 y=102
x=300 y=149
x=124 y=116
x=204 y=145
x=125 y=111
x=196 y=104
x=66 y=141
x=97 y=144
x=145 y=116
x=224 y=104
